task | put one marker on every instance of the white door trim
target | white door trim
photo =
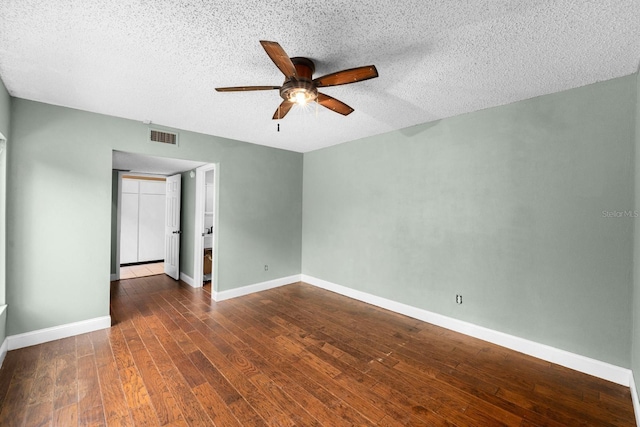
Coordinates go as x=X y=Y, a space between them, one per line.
x=198 y=241
x=3 y=143
x=116 y=276
x=3 y=232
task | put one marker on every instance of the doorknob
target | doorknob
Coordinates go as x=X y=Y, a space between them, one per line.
x=177 y=232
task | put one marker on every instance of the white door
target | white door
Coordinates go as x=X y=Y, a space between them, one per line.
x=172 y=228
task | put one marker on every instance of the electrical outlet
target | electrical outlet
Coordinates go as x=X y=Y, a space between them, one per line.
x=266 y=267
x=458 y=299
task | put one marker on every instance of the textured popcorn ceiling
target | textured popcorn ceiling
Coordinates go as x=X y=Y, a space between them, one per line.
x=160 y=60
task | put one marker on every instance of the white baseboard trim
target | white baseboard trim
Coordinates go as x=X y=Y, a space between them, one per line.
x=114 y=277
x=574 y=361
x=58 y=332
x=3 y=351
x=634 y=399
x=188 y=280
x=257 y=287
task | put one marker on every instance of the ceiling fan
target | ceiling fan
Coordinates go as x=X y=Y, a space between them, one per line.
x=300 y=87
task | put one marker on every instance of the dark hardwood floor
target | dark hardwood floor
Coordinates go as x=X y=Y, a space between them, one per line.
x=295 y=355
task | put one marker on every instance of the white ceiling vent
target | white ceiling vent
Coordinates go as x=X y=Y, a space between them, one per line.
x=162 y=136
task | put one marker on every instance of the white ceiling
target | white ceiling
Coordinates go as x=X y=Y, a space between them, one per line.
x=140 y=163
x=160 y=60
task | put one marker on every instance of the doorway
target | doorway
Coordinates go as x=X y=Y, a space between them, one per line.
x=141 y=213
x=123 y=164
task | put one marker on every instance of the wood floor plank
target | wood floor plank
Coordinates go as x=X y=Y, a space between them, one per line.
x=90 y=405
x=214 y=378
x=66 y=381
x=113 y=396
x=66 y=416
x=14 y=408
x=93 y=417
x=6 y=374
x=27 y=364
x=120 y=349
x=63 y=347
x=290 y=356
x=284 y=401
x=164 y=403
x=176 y=352
x=83 y=345
x=43 y=386
x=135 y=391
x=144 y=416
x=40 y=414
x=216 y=407
x=123 y=422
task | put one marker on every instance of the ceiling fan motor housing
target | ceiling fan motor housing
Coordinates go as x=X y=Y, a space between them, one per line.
x=303 y=84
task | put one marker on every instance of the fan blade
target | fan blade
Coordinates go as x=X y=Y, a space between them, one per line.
x=344 y=77
x=245 y=88
x=280 y=58
x=333 y=104
x=283 y=109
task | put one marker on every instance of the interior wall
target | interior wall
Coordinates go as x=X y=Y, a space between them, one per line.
x=5 y=122
x=507 y=206
x=635 y=338
x=59 y=263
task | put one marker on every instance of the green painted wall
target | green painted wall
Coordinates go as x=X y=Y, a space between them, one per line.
x=5 y=110
x=504 y=206
x=3 y=324
x=60 y=203
x=635 y=338
x=5 y=121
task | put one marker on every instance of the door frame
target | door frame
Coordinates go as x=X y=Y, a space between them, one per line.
x=3 y=231
x=198 y=241
x=116 y=276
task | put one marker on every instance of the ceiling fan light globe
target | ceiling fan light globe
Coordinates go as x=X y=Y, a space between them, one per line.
x=300 y=98
x=300 y=91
